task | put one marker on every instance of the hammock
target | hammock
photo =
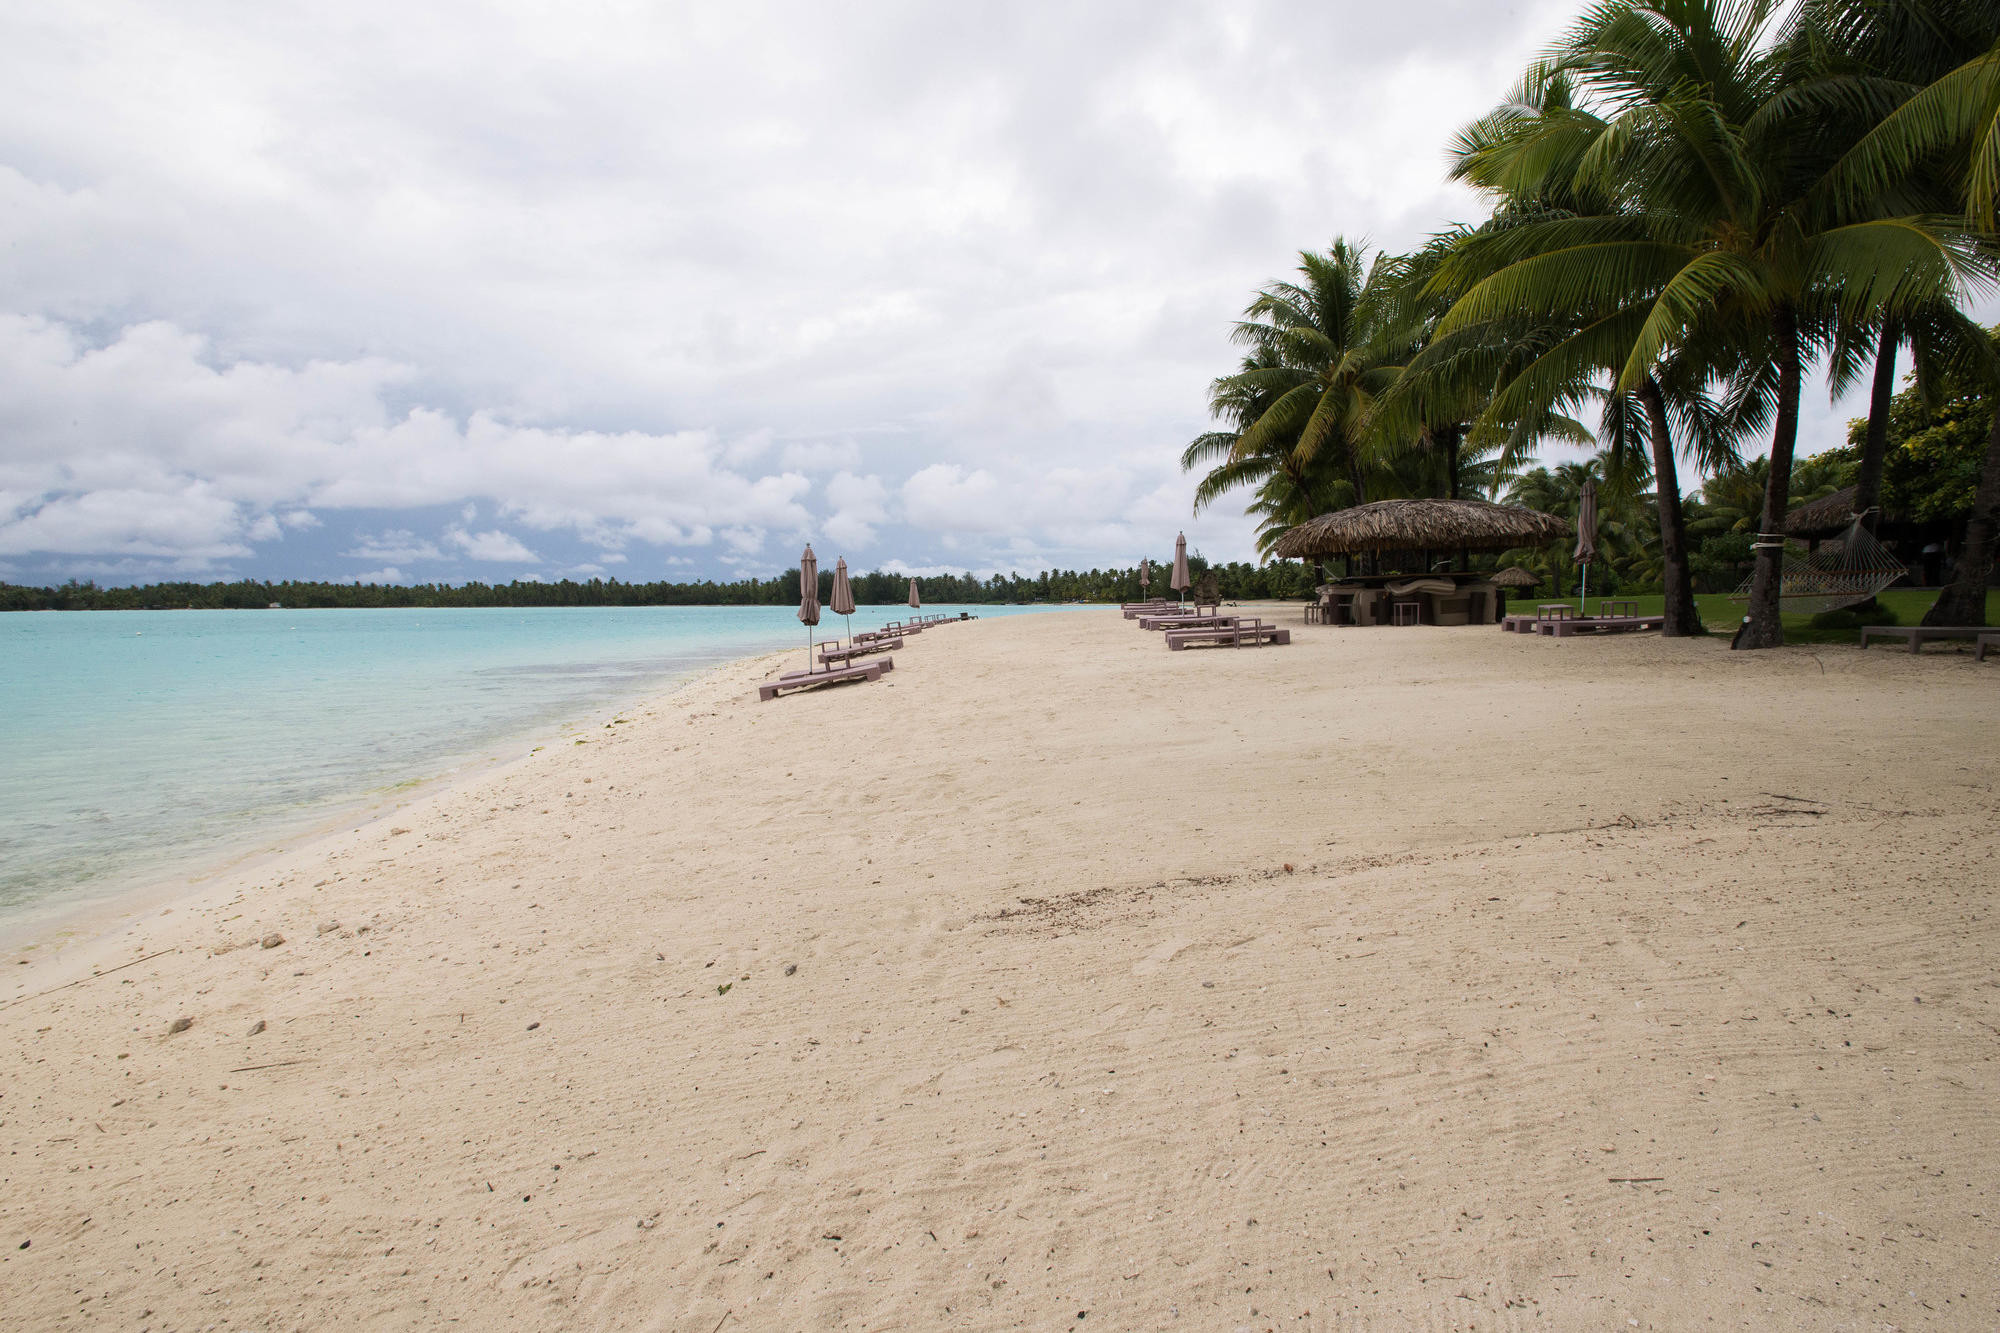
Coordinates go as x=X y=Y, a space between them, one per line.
x=1840 y=573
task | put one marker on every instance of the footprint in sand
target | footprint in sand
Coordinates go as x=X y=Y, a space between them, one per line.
x=1162 y=954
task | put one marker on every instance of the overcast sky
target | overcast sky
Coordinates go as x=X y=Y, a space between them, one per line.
x=425 y=290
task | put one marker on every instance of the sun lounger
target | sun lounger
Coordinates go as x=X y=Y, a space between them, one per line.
x=1567 y=627
x=834 y=675
x=1184 y=622
x=833 y=652
x=1919 y=635
x=1236 y=634
x=799 y=677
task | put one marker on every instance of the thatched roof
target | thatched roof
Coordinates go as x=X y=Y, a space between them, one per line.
x=1412 y=525
x=1823 y=517
x=1514 y=577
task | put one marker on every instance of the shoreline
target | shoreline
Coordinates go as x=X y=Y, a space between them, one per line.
x=51 y=928
x=1401 y=976
x=55 y=932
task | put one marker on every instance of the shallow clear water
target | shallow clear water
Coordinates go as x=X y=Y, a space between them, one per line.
x=132 y=741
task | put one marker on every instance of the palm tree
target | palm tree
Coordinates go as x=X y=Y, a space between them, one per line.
x=1289 y=490
x=1857 y=63
x=1723 y=248
x=1530 y=153
x=1944 y=135
x=1323 y=363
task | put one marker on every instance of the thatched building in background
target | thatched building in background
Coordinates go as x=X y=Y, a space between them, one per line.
x=1421 y=525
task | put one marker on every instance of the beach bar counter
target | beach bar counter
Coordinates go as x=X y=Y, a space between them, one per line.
x=1444 y=598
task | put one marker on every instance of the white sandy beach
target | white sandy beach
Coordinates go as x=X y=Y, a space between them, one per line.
x=1433 y=977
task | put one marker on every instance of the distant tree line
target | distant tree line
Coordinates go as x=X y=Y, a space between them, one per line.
x=1238 y=580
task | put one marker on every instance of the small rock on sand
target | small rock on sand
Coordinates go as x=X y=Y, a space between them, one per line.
x=272 y=940
x=256 y=1027
x=791 y=968
x=179 y=1025
x=328 y=927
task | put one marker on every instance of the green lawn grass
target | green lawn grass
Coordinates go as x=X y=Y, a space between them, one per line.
x=1722 y=615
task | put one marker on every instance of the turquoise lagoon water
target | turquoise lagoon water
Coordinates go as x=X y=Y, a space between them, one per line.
x=132 y=742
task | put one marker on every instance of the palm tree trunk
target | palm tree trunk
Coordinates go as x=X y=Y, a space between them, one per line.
x=1963 y=601
x=1682 y=619
x=1868 y=485
x=1764 y=628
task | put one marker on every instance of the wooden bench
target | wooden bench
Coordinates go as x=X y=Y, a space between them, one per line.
x=832 y=676
x=1252 y=632
x=1919 y=635
x=1567 y=626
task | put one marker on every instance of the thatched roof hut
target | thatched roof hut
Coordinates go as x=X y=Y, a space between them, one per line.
x=1514 y=577
x=1825 y=517
x=1421 y=525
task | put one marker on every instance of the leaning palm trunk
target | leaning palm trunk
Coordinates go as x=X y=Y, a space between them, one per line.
x=1764 y=628
x=1681 y=618
x=1875 y=445
x=1963 y=601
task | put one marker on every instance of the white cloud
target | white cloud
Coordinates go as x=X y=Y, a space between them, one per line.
x=388 y=574
x=397 y=544
x=859 y=505
x=492 y=545
x=179 y=456
x=944 y=497
x=652 y=280
x=820 y=456
x=189 y=521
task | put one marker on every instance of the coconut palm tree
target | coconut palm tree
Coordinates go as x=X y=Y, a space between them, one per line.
x=1324 y=361
x=1723 y=248
x=1854 y=65
x=1530 y=154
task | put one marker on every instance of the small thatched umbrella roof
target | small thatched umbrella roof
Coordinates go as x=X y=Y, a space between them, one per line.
x=1415 y=525
x=1514 y=577
x=1824 y=517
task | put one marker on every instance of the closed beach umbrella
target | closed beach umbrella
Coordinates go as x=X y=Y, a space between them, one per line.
x=1586 y=536
x=916 y=602
x=1179 y=581
x=1145 y=578
x=809 y=598
x=842 y=601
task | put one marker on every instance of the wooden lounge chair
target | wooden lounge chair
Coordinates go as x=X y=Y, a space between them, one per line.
x=1236 y=634
x=1919 y=635
x=871 y=670
x=1569 y=626
x=1189 y=621
x=798 y=677
x=830 y=653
